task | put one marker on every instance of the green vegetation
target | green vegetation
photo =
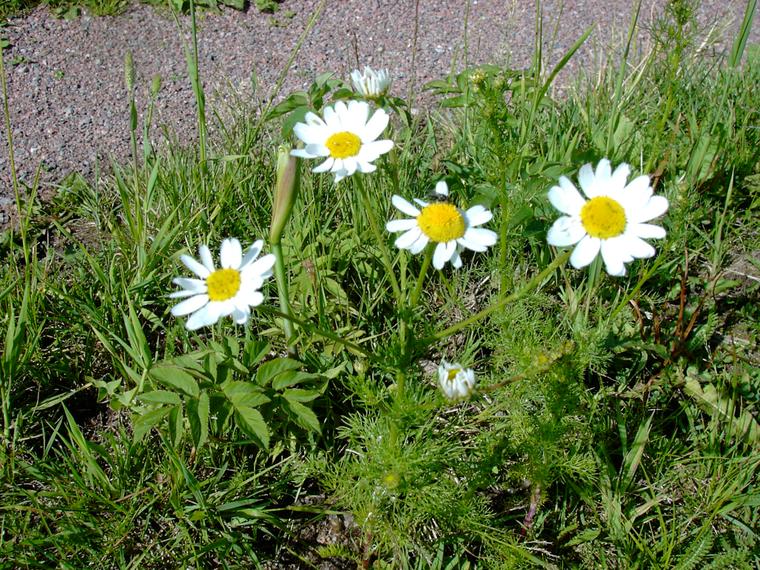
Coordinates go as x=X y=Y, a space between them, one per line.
x=615 y=419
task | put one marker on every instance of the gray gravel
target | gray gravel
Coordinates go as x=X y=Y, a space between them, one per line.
x=65 y=78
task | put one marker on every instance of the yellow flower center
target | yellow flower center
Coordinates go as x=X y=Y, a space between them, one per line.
x=223 y=284
x=603 y=217
x=343 y=144
x=441 y=222
x=453 y=373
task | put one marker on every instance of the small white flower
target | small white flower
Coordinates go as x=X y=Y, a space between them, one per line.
x=612 y=220
x=444 y=224
x=455 y=381
x=371 y=84
x=346 y=137
x=217 y=293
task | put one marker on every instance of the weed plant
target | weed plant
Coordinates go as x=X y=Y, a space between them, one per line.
x=614 y=419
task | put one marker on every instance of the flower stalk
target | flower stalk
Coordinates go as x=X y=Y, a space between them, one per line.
x=285 y=194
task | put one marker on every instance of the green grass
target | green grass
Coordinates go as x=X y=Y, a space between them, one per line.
x=615 y=423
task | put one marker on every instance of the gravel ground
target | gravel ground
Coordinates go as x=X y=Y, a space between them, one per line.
x=65 y=78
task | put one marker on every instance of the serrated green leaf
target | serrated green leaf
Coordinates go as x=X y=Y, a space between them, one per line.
x=304 y=417
x=252 y=423
x=161 y=397
x=198 y=414
x=244 y=394
x=145 y=422
x=269 y=370
x=175 y=377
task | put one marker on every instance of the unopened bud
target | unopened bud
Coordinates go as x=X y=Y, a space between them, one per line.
x=285 y=192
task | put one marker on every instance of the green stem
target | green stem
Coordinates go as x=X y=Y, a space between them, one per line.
x=421 y=277
x=386 y=258
x=282 y=292
x=532 y=284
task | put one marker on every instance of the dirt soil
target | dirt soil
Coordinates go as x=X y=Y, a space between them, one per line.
x=68 y=102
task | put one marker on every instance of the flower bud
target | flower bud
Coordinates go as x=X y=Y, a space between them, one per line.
x=285 y=193
x=455 y=381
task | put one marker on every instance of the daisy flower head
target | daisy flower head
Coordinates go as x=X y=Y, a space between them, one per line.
x=455 y=381
x=371 y=83
x=442 y=223
x=346 y=138
x=611 y=218
x=230 y=290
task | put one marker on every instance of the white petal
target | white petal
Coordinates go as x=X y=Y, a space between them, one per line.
x=372 y=150
x=189 y=305
x=603 y=173
x=302 y=153
x=252 y=253
x=647 y=231
x=566 y=198
x=231 y=254
x=204 y=317
x=400 y=225
x=656 y=206
x=205 y=255
x=638 y=248
x=197 y=268
x=254 y=298
x=375 y=126
x=312 y=119
x=586 y=179
x=419 y=244
x=181 y=294
x=620 y=176
x=192 y=285
x=407 y=239
x=613 y=256
x=240 y=315
x=478 y=215
x=480 y=236
x=585 y=252
x=443 y=253
x=325 y=166
x=637 y=193
x=565 y=231
x=349 y=165
x=364 y=166
x=310 y=134
x=404 y=206
x=442 y=188
x=263 y=265
x=331 y=118
x=358 y=111
x=456 y=260
x=316 y=150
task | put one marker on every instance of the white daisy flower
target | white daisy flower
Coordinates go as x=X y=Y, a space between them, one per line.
x=444 y=224
x=371 y=84
x=455 y=381
x=346 y=136
x=230 y=290
x=612 y=220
